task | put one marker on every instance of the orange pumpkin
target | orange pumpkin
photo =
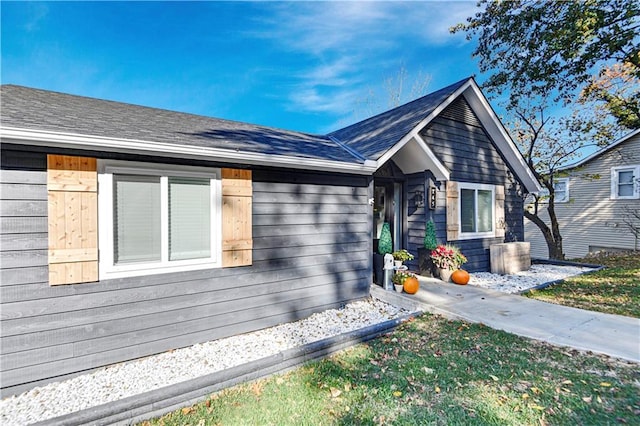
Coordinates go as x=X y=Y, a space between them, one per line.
x=411 y=285
x=460 y=276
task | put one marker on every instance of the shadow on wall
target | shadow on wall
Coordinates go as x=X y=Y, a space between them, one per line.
x=316 y=237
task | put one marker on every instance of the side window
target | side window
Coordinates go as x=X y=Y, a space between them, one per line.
x=625 y=182
x=561 y=188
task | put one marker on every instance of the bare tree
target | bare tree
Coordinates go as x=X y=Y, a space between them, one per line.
x=397 y=89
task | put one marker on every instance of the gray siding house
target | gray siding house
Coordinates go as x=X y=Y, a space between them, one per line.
x=596 y=196
x=126 y=231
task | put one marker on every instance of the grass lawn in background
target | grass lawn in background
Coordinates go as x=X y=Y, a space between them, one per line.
x=434 y=371
x=613 y=290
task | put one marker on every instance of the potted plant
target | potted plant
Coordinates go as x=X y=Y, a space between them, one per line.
x=398 y=280
x=447 y=258
x=424 y=253
x=385 y=246
x=400 y=256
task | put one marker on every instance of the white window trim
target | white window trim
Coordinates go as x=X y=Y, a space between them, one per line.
x=567 y=197
x=475 y=235
x=636 y=182
x=107 y=268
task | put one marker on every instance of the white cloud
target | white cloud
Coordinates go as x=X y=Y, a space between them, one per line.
x=345 y=40
x=37 y=13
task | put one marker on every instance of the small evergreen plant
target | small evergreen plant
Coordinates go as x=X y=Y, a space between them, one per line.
x=430 y=241
x=385 y=244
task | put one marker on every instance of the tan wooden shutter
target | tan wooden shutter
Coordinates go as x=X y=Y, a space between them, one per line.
x=500 y=222
x=237 y=240
x=72 y=193
x=452 y=211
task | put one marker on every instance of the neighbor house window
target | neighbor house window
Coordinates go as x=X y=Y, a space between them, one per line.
x=477 y=214
x=158 y=219
x=561 y=190
x=625 y=182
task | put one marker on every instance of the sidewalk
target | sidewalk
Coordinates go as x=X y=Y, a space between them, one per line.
x=613 y=335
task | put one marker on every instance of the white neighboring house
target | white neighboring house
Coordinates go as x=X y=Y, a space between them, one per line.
x=593 y=198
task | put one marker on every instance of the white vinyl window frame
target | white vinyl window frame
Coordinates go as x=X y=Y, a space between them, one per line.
x=108 y=268
x=615 y=182
x=476 y=187
x=565 y=196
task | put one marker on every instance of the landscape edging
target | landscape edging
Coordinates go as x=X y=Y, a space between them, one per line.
x=169 y=398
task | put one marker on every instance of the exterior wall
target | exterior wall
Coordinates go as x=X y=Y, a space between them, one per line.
x=458 y=139
x=312 y=248
x=591 y=220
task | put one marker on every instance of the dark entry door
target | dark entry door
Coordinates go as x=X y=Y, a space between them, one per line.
x=387 y=205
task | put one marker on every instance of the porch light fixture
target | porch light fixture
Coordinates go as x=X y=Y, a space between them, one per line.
x=418 y=198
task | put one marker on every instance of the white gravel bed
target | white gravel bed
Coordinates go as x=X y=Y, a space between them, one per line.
x=131 y=378
x=521 y=281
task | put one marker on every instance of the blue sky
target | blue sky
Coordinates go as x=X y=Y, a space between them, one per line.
x=302 y=66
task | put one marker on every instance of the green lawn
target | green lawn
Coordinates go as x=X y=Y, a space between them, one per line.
x=614 y=290
x=434 y=371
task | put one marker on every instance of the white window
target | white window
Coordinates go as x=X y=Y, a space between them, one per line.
x=561 y=190
x=157 y=218
x=476 y=210
x=625 y=182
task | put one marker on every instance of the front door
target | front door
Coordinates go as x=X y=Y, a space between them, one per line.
x=387 y=207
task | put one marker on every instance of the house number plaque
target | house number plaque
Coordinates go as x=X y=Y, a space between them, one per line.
x=432 y=197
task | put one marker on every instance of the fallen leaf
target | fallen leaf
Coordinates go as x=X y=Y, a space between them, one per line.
x=605 y=384
x=495 y=379
x=437 y=389
x=537 y=407
x=188 y=410
x=397 y=394
x=335 y=392
x=535 y=390
x=587 y=399
x=525 y=396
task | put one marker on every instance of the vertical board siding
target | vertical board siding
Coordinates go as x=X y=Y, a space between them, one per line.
x=591 y=220
x=456 y=136
x=311 y=251
x=72 y=193
x=237 y=193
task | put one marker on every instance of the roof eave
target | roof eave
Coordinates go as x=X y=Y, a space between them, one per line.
x=24 y=136
x=441 y=171
x=601 y=151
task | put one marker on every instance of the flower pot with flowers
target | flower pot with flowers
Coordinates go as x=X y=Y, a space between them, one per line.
x=447 y=258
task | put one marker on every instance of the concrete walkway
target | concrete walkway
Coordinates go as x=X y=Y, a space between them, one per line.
x=613 y=335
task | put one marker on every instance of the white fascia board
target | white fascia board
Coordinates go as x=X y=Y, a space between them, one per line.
x=160 y=149
x=414 y=133
x=440 y=172
x=500 y=136
x=601 y=151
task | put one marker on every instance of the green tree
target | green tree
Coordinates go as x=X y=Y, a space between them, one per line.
x=537 y=48
x=430 y=240
x=385 y=244
x=542 y=55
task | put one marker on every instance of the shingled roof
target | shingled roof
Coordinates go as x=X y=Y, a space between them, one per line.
x=40 y=117
x=36 y=109
x=376 y=135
